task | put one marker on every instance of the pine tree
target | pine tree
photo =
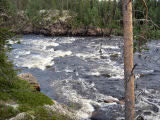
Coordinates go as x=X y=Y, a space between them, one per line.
x=128 y=61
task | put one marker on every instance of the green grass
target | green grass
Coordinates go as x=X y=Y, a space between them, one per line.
x=6 y=111
x=22 y=93
x=28 y=99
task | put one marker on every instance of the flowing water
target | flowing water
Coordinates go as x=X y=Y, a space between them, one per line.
x=82 y=71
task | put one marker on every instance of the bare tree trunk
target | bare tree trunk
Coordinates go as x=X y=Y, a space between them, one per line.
x=128 y=60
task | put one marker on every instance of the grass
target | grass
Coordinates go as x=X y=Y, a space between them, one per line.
x=22 y=93
x=28 y=99
x=6 y=111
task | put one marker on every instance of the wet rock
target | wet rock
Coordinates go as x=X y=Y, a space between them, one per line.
x=62 y=109
x=106 y=75
x=121 y=102
x=155 y=108
x=110 y=101
x=147 y=113
x=30 y=79
x=139 y=118
x=108 y=112
x=114 y=57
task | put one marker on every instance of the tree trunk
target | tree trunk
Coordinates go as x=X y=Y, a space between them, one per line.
x=128 y=60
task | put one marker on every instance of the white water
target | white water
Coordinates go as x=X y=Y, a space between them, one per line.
x=38 y=52
x=33 y=53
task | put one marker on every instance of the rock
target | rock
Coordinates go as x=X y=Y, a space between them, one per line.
x=28 y=29
x=121 y=102
x=147 y=113
x=79 y=31
x=22 y=116
x=93 y=31
x=108 y=112
x=30 y=79
x=106 y=75
x=139 y=118
x=62 y=109
x=114 y=57
x=155 y=109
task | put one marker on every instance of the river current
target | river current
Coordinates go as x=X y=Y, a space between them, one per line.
x=82 y=71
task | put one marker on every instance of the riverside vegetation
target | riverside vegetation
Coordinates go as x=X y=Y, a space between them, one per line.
x=60 y=17
x=83 y=17
x=17 y=97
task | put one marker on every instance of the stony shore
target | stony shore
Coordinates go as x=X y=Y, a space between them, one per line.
x=51 y=24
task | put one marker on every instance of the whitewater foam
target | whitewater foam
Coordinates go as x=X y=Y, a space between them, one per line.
x=36 y=52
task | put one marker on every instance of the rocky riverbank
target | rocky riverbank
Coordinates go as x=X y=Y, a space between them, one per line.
x=50 y=23
x=112 y=107
x=23 y=101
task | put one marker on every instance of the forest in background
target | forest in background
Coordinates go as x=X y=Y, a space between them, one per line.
x=89 y=12
x=104 y=14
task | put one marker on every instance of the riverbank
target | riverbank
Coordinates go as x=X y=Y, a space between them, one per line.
x=20 y=101
x=50 y=23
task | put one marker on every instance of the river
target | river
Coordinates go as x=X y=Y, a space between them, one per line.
x=83 y=71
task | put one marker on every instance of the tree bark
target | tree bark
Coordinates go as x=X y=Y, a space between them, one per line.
x=128 y=60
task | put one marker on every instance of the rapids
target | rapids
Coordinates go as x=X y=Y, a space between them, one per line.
x=81 y=71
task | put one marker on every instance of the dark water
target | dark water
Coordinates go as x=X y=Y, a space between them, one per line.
x=81 y=71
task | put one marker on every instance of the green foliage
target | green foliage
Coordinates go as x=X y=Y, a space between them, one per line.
x=6 y=111
x=33 y=11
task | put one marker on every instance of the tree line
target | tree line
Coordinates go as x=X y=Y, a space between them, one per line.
x=89 y=12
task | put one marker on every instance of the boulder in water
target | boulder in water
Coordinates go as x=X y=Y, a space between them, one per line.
x=108 y=112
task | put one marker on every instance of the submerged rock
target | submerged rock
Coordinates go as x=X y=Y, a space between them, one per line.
x=108 y=112
x=30 y=79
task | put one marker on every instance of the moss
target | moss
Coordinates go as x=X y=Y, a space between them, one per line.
x=6 y=112
x=22 y=93
x=42 y=114
x=29 y=100
x=25 y=108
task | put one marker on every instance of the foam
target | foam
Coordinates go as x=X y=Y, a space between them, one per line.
x=110 y=47
x=35 y=61
x=68 y=39
x=87 y=56
x=33 y=52
x=65 y=91
x=60 y=53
